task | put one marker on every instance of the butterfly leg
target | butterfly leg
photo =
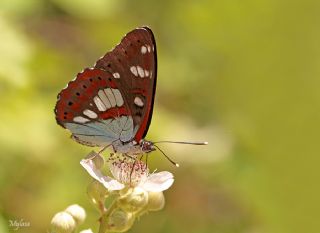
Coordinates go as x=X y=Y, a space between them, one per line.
x=147 y=155
x=104 y=148
x=131 y=157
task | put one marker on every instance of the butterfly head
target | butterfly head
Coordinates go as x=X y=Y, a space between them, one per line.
x=146 y=146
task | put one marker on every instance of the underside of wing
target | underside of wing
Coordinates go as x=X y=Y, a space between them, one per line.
x=134 y=62
x=93 y=109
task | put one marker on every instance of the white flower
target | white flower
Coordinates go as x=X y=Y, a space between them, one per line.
x=77 y=212
x=63 y=222
x=128 y=174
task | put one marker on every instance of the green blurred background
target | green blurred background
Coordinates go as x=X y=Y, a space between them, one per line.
x=243 y=75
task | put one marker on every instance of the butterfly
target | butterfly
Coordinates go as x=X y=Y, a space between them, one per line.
x=111 y=104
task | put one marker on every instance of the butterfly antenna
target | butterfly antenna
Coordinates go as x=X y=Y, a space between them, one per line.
x=170 y=160
x=189 y=143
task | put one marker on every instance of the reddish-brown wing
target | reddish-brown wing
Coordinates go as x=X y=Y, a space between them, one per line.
x=113 y=101
x=79 y=96
x=133 y=63
x=93 y=109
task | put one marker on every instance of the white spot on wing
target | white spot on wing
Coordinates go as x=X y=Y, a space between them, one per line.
x=99 y=104
x=143 y=49
x=110 y=97
x=80 y=119
x=149 y=48
x=140 y=71
x=116 y=75
x=146 y=73
x=90 y=113
x=138 y=101
x=104 y=99
x=118 y=97
x=133 y=70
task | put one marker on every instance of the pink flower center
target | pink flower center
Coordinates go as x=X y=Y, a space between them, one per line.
x=129 y=172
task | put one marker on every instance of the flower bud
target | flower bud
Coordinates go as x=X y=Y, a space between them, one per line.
x=156 y=201
x=86 y=231
x=77 y=212
x=97 y=193
x=62 y=222
x=134 y=200
x=120 y=220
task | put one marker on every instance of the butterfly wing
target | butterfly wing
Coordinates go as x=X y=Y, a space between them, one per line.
x=113 y=101
x=93 y=109
x=134 y=62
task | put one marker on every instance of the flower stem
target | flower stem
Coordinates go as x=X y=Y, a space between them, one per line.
x=104 y=218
